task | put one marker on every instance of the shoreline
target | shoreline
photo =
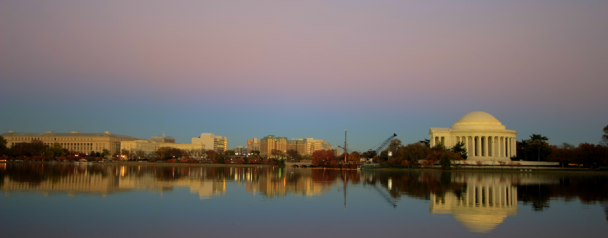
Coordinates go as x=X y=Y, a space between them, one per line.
x=504 y=170
x=143 y=163
x=551 y=170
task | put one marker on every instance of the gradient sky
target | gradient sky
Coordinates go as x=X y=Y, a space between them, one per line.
x=245 y=69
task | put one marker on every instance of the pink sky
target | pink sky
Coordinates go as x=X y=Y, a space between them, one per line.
x=507 y=57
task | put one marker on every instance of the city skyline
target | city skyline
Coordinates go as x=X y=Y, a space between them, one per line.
x=303 y=69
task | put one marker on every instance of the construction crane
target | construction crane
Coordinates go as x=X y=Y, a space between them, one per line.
x=377 y=149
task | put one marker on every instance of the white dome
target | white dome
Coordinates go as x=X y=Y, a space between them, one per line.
x=478 y=118
x=478 y=121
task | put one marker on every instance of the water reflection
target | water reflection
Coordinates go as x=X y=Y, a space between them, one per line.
x=479 y=201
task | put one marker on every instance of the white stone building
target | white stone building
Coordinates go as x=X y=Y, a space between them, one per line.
x=484 y=137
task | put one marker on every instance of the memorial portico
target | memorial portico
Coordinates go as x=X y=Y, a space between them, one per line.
x=484 y=137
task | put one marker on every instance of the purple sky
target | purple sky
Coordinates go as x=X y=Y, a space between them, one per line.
x=247 y=69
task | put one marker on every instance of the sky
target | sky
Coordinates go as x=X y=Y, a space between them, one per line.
x=302 y=69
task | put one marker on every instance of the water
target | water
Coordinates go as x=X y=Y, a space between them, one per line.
x=67 y=200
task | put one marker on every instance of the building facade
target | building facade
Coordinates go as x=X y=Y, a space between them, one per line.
x=149 y=147
x=484 y=137
x=212 y=142
x=75 y=141
x=303 y=146
x=271 y=142
x=253 y=144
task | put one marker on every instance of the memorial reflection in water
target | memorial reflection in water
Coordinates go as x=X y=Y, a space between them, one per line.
x=479 y=201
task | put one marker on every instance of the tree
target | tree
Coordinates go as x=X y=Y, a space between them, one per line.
x=604 y=141
x=54 y=151
x=3 y=148
x=140 y=153
x=322 y=157
x=105 y=153
x=563 y=154
x=197 y=152
x=460 y=149
x=166 y=153
x=354 y=157
x=414 y=153
x=125 y=153
x=538 y=141
x=293 y=154
x=394 y=145
x=211 y=154
x=522 y=149
x=229 y=153
x=448 y=158
x=276 y=153
x=369 y=154
x=425 y=142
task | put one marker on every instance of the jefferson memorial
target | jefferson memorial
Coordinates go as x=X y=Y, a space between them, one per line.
x=484 y=137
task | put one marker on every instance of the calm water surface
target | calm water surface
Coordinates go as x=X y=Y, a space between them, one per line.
x=67 y=200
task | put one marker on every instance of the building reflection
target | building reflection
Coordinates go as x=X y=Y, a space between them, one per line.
x=206 y=182
x=484 y=203
x=479 y=201
x=486 y=199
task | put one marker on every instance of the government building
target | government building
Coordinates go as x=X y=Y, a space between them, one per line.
x=484 y=137
x=74 y=141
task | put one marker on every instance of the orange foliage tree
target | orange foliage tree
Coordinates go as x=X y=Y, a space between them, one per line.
x=354 y=158
x=322 y=157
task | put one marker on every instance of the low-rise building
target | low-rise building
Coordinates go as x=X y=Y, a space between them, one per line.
x=75 y=141
x=253 y=145
x=149 y=147
x=211 y=141
x=303 y=146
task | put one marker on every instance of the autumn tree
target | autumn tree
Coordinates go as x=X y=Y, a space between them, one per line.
x=413 y=153
x=322 y=157
x=592 y=155
x=211 y=154
x=449 y=158
x=166 y=153
x=354 y=157
x=566 y=153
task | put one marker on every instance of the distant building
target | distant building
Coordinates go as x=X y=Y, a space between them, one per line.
x=240 y=150
x=212 y=142
x=303 y=146
x=74 y=141
x=271 y=142
x=253 y=144
x=297 y=144
x=149 y=147
x=163 y=139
